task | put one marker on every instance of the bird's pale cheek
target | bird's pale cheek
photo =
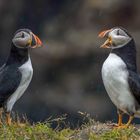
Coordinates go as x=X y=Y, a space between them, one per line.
x=19 y=43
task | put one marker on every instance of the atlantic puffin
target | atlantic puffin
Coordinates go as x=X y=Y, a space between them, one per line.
x=119 y=73
x=17 y=72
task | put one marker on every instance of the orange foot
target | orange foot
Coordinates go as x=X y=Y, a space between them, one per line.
x=123 y=126
x=8 y=118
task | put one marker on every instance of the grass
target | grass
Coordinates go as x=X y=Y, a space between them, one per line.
x=90 y=131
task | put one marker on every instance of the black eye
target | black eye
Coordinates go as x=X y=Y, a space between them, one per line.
x=118 y=32
x=22 y=35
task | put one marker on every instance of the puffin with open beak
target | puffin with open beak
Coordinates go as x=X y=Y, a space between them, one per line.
x=119 y=73
x=16 y=73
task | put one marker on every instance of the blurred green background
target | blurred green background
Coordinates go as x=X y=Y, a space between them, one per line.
x=67 y=70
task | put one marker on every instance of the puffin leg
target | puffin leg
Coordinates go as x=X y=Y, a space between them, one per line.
x=19 y=123
x=120 y=116
x=8 y=118
x=1 y=111
x=119 y=120
x=128 y=123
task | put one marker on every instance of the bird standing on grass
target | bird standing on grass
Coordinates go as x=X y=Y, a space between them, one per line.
x=16 y=73
x=119 y=73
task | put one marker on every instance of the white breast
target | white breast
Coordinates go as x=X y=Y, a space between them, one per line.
x=27 y=73
x=115 y=79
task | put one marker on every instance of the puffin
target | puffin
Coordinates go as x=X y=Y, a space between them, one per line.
x=119 y=73
x=16 y=73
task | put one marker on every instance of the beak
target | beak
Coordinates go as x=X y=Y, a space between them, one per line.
x=36 y=42
x=108 y=42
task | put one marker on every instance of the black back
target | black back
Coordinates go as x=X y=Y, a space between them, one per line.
x=10 y=76
x=9 y=81
x=134 y=84
x=128 y=55
x=18 y=56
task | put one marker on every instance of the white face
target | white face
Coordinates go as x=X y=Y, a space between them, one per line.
x=119 y=38
x=22 y=39
x=116 y=38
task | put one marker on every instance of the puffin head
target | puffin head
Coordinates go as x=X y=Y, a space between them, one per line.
x=117 y=37
x=24 y=38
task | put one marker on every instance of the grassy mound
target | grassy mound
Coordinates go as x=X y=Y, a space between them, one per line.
x=90 y=131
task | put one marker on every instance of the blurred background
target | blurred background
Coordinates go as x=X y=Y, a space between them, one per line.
x=67 y=70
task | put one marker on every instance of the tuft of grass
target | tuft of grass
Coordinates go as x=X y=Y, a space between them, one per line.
x=92 y=130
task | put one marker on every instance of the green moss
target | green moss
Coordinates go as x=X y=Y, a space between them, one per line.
x=89 y=131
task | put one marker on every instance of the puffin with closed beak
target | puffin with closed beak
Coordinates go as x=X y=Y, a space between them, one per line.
x=119 y=73
x=16 y=73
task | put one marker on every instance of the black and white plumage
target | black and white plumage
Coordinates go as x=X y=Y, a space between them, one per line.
x=119 y=73
x=16 y=73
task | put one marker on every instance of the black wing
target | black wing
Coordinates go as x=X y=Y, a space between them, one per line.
x=9 y=81
x=134 y=84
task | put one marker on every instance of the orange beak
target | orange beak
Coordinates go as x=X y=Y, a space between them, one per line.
x=36 y=41
x=108 y=42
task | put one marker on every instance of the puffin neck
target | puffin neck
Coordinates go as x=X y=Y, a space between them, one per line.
x=17 y=56
x=128 y=55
